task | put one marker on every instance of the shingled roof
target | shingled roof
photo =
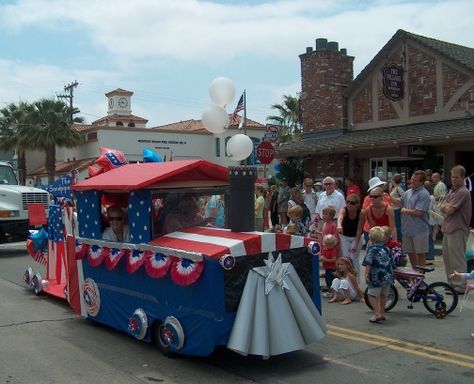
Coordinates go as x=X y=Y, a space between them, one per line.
x=116 y=117
x=339 y=141
x=463 y=56
x=196 y=126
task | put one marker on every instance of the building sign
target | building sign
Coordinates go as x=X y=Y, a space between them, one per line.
x=413 y=150
x=392 y=79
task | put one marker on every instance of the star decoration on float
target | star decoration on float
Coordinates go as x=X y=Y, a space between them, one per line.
x=275 y=273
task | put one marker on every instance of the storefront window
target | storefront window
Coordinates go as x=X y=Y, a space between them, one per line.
x=377 y=168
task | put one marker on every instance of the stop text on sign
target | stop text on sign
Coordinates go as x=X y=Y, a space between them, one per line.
x=265 y=152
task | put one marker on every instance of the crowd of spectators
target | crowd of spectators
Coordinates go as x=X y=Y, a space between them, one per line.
x=413 y=214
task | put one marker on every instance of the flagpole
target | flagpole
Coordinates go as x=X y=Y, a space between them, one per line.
x=245 y=112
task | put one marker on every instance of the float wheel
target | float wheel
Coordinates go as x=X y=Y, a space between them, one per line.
x=160 y=340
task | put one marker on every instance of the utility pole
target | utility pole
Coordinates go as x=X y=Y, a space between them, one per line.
x=69 y=95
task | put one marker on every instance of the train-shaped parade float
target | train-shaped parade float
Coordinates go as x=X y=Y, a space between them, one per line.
x=187 y=288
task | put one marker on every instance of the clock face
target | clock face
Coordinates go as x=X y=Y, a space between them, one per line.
x=122 y=102
x=111 y=102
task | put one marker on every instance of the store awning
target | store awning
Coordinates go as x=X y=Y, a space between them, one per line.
x=341 y=141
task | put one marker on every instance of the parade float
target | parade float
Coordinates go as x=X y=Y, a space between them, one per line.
x=189 y=290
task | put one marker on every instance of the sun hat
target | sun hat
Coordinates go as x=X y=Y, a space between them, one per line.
x=375 y=182
x=319 y=183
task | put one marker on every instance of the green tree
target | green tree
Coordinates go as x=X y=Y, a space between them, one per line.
x=53 y=127
x=287 y=118
x=15 y=122
x=292 y=169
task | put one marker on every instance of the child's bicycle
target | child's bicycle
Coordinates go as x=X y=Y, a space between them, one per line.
x=439 y=298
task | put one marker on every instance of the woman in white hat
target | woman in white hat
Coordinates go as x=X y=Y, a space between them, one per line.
x=375 y=182
x=380 y=213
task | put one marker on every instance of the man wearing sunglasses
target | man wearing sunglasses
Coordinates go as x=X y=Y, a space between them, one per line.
x=118 y=230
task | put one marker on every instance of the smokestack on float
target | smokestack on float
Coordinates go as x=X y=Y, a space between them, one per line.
x=242 y=198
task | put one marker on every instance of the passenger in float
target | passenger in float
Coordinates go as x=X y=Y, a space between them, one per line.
x=117 y=230
x=185 y=215
x=215 y=208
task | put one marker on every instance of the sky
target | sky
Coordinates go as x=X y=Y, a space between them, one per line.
x=168 y=52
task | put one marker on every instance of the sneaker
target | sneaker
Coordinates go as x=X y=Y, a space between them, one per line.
x=327 y=294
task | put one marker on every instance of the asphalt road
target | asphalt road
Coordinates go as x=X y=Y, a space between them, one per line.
x=43 y=341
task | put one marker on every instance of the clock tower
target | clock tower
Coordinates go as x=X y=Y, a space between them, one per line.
x=119 y=102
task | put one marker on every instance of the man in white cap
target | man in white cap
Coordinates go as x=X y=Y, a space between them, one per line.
x=329 y=197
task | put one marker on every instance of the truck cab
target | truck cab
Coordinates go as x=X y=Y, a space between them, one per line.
x=14 y=201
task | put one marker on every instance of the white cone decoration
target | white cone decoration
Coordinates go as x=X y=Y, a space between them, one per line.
x=239 y=147
x=215 y=119
x=222 y=91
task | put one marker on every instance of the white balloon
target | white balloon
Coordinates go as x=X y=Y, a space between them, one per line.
x=215 y=119
x=239 y=147
x=222 y=91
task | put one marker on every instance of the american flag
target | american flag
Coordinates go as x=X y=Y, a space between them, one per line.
x=240 y=107
x=55 y=268
x=55 y=224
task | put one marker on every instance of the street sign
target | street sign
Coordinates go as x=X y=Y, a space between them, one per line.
x=265 y=152
x=271 y=133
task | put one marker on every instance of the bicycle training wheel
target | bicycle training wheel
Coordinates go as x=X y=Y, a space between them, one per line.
x=437 y=293
x=392 y=298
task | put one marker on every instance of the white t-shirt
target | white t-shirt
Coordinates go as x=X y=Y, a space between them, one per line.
x=336 y=199
x=110 y=235
x=310 y=199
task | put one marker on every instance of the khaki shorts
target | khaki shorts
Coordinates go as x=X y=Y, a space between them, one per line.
x=379 y=291
x=416 y=244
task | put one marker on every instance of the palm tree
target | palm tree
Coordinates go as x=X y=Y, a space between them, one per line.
x=288 y=118
x=15 y=122
x=53 y=126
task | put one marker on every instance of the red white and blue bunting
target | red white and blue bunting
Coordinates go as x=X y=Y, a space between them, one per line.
x=114 y=256
x=81 y=250
x=157 y=265
x=185 y=271
x=135 y=259
x=96 y=255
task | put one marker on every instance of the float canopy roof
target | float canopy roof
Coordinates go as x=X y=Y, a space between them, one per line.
x=154 y=175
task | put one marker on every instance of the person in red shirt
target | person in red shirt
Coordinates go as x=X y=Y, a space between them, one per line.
x=351 y=188
x=329 y=254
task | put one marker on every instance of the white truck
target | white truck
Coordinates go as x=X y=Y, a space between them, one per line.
x=14 y=200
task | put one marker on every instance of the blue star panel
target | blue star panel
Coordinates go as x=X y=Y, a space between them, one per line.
x=89 y=214
x=116 y=162
x=55 y=224
x=139 y=216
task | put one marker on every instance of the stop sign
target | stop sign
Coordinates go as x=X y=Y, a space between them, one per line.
x=265 y=152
